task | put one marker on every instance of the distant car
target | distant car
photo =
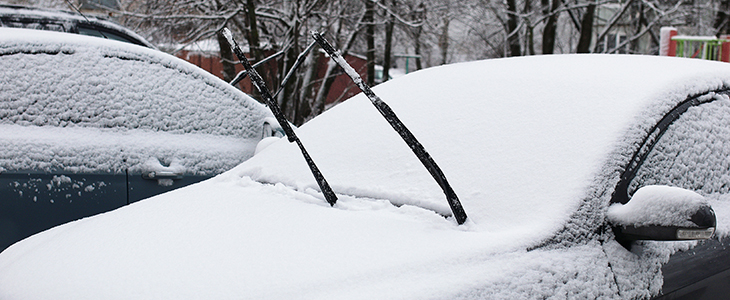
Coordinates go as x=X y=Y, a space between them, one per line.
x=582 y=176
x=15 y=16
x=88 y=125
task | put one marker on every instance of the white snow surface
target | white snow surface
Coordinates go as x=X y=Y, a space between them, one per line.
x=135 y=102
x=512 y=136
x=657 y=205
x=532 y=146
x=90 y=150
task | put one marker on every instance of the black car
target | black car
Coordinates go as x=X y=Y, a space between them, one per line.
x=15 y=16
x=88 y=125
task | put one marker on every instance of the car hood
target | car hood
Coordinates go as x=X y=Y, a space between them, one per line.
x=229 y=237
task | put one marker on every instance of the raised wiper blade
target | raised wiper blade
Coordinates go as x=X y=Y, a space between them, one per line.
x=260 y=85
x=408 y=137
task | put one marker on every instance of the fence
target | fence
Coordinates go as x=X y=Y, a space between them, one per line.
x=702 y=47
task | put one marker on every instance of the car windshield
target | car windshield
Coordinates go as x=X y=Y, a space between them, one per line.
x=516 y=164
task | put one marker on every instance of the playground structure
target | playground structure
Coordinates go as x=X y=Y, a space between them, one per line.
x=702 y=47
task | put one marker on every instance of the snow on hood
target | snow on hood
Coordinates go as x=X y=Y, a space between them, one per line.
x=51 y=79
x=521 y=141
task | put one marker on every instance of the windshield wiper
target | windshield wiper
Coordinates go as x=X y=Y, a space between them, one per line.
x=408 y=137
x=260 y=85
x=418 y=149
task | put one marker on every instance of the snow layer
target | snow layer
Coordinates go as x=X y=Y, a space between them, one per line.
x=56 y=80
x=533 y=147
x=520 y=140
x=93 y=150
x=239 y=238
x=720 y=203
x=657 y=205
x=57 y=16
x=693 y=153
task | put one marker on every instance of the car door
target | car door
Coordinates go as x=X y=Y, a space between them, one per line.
x=34 y=201
x=147 y=183
x=689 y=148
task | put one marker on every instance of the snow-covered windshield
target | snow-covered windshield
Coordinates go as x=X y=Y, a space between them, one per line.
x=520 y=156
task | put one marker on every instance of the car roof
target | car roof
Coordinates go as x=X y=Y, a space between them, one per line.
x=59 y=20
x=53 y=79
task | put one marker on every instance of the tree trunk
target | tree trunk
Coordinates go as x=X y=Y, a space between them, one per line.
x=529 y=39
x=329 y=78
x=419 y=15
x=388 y=45
x=551 y=25
x=229 y=69
x=444 y=41
x=307 y=109
x=253 y=31
x=289 y=101
x=722 y=20
x=642 y=19
x=513 y=37
x=417 y=49
x=370 y=39
x=586 y=32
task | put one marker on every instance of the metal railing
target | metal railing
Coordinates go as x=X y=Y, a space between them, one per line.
x=703 y=47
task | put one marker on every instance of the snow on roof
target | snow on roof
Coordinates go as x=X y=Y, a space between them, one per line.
x=54 y=79
x=521 y=140
x=66 y=17
x=44 y=13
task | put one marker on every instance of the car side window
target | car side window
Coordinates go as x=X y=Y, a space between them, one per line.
x=35 y=24
x=694 y=152
x=103 y=33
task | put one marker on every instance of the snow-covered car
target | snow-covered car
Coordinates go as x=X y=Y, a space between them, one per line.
x=569 y=167
x=16 y=16
x=88 y=125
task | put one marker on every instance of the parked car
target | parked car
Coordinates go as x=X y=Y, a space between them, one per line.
x=88 y=125
x=16 y=16
x=572 y=169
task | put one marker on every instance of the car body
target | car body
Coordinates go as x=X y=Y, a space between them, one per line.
x=88 y=125
x=535 y=148
x=15 y=16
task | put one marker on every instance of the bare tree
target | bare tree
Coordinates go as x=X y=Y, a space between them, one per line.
x=437 y=31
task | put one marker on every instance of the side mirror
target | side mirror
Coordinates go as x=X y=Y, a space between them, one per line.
x=662 y=213
x=271 y=128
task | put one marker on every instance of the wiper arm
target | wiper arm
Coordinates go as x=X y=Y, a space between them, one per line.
x=241 y=75
x=399 y=127
x=260 y=85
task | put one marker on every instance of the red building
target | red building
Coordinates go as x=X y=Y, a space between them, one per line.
x=342 y=88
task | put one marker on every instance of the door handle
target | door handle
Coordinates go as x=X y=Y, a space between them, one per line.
x=156 y=175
